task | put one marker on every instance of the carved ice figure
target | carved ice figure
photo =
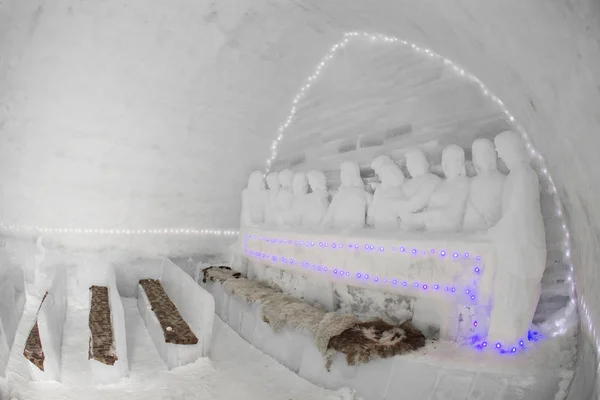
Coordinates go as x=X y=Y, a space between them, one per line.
x=380 y=162
x=383 y=209
x=317 y=202
x=300 y=190
x=271 y=202
x=253 y=200
x=376 y=165
x=520 y=242
x=484 y=206
x=285 y=197
x=419 y=188
x=446 y=208
x=349 y=205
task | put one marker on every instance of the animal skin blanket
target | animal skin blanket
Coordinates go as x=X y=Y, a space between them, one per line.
x=331 y=331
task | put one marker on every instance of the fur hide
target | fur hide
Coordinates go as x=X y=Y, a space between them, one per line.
x=332 y=324
x=376 y=338
x=251 y=291
x=283 y=311
x=220 y=274
x=332 y=332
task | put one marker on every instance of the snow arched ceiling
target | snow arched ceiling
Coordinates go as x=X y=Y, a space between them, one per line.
x=136 y=114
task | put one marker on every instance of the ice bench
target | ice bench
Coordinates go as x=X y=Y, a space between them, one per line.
x=178 y=314
x=43 y=348
x=172 y=336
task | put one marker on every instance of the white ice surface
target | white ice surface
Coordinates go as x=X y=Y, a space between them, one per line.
x=12 y=300
x=50 y=320
x=237 y=370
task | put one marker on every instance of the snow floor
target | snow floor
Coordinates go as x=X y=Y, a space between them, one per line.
x=236 y=370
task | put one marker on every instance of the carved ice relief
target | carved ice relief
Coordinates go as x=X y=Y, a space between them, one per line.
x=317 y=202
x=519 y=239
x=285 y=197
x=300 y=191
x=271 y=209
x=418 y=189
x=254 y=200
x=383 y=210
x=446 y=206
x=349 y=205
x=484 y=205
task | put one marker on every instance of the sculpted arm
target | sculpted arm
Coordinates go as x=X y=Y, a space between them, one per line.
x=416 y=203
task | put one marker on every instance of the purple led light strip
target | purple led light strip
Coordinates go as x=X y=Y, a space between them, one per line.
x=340 y=272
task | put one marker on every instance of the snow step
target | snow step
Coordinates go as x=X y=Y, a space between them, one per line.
x=174 y=327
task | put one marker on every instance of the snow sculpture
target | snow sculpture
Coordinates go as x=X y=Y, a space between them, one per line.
x=317 y=202
x=377 y=163
x=300 y=190
x=484 y=206
x=349 y=205
x=446 y=207
x=520 y=242
x=253 y=200
x=383 y=210
x=271 y=200
x=285 y=197
x=417 y=190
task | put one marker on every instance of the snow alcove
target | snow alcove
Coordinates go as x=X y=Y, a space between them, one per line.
x=306 y=200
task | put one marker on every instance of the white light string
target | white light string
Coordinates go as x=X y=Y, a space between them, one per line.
x=95 y=231
x=561 y=323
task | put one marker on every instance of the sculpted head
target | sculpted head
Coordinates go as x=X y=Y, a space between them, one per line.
x=511 y=149
x=317 y=180
x=484 y=156
x=416 y=163
x=350 y=175
x=285 y=178
x=256 y=181
x=380 y=162
x=300 y=184
x=453 y=161
x=273 y=180
x=392 y=175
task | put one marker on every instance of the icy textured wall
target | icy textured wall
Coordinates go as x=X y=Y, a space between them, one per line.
x=139 y=114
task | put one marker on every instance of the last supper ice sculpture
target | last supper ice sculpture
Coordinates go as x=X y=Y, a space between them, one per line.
x=520 y=241
x=348 y=206
x=476 y=269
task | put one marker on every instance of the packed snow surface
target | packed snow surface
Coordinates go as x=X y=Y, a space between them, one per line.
x=236 y=370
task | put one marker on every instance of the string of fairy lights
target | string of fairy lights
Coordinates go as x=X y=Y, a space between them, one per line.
x=561 y=322
x=126 y=232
